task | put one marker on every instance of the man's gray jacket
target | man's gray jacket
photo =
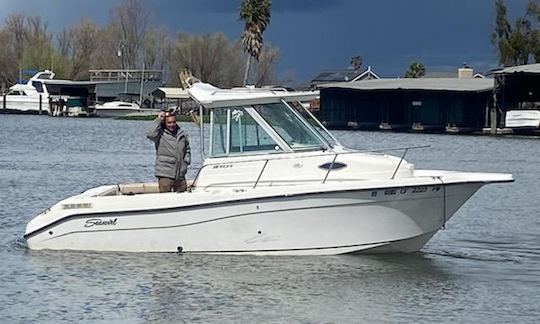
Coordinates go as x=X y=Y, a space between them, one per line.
x=173 y=154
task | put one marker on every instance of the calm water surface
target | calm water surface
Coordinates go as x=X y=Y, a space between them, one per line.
x=484 y=268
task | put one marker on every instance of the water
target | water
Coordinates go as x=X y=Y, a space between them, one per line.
x=484 y=268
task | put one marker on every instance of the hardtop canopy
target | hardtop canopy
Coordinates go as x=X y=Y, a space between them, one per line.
x=212 y=97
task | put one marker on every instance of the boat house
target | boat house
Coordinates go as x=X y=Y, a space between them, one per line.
x=137 y=84
x=423 y=104
x=172 y=98
x=71 y=98
x=517 y=93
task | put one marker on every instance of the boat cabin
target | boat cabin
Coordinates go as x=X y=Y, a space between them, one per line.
x=266 y=138
x=259 y=121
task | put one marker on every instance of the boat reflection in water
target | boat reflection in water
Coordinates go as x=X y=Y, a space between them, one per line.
x=274 y=182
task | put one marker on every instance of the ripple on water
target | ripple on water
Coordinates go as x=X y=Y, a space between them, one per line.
x=483 y=269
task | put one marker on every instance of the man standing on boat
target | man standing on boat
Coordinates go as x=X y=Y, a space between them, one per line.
x=173 y=154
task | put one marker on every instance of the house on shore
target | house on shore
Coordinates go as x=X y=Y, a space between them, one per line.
x=342 y=75
x=168 y=98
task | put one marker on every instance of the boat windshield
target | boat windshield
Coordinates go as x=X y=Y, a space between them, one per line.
x=315 y=124
x=38 y=85
x=294 y=130
x=262 y=129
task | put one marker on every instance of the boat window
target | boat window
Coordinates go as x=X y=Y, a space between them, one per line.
x=246 y=135
x=38 y=85
x=15 y=93
x=45 y=76
x=75 y=102
x=304 y=112
x=289 y=126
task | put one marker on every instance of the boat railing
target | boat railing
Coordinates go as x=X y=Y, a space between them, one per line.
x=330 y=167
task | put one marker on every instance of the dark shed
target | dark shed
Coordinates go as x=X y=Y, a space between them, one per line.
x=450 y=104
x=69 y=94
x=518 y=87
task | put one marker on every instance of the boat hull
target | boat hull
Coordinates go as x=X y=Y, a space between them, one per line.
x=116 y=113
x=25 y=105
x=372 y=221
x=523 y=119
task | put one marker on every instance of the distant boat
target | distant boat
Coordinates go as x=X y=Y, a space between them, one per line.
x=523 y=120
x=28 y=98
x=116 y=108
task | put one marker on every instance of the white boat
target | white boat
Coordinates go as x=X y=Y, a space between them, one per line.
x=523 y=119
x=117 y=108
x=274 y=182
x=31 y=97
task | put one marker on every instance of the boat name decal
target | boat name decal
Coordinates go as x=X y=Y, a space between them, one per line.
x=100 y=222
x=222 y=166
x=77 y=206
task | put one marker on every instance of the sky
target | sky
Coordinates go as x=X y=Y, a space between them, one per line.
x=317 y=35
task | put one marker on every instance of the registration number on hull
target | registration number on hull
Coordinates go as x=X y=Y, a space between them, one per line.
x=407 y=190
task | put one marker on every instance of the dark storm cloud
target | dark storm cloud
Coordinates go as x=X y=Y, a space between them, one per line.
x=278 y=6
x=313 y=35
x=305 y=5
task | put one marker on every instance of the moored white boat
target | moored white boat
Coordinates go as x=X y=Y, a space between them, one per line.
x=31 y=97
x=523 y=119
x=274 y=181
x=116 y=109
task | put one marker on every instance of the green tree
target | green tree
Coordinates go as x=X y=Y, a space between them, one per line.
x=416 y=70
x=8 y=62
x=129 y=24
x=26 y=43
x=77 y=45
x=533 y=12
x=264 y=69
x=517 y=43
x=256 y=16
x=356 y=62
x=210 y=58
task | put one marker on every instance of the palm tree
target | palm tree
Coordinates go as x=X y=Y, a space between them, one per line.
x=256 y=16
x=416 y=70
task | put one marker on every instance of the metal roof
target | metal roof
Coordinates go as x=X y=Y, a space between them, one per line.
x=440 y=75
x=112 y=89
x=69 y=82
x=171 y=93
x=529 y=68
x=336 y=75
x=434 y=84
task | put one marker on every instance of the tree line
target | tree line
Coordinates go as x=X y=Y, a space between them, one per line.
x=517 y=42
x=128 y=41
